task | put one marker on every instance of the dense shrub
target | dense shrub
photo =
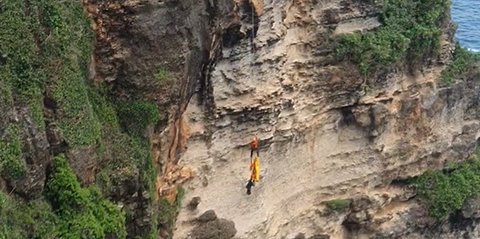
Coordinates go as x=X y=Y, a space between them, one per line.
x=83 y=212
x=410 y=29
x=444 y=192
x=463 y=61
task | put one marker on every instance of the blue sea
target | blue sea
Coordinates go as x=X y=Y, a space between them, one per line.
x=466 y=14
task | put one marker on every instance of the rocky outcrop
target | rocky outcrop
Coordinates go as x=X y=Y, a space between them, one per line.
x=211 y=227
x=34 y=154
x=157 y=51
x=325 y=131
x=224 y=70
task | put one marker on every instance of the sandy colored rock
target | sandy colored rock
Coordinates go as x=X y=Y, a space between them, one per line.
x=323 y=133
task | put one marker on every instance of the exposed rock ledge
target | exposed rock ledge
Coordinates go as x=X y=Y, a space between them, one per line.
x=325 y=132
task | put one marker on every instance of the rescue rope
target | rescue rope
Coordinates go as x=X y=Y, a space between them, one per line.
x=252 y=49
x=252 y=5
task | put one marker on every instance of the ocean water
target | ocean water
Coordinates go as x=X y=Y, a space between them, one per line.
x=466 y=14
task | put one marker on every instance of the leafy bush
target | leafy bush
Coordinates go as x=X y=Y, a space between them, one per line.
x=83 y=212
x=338 y=205
x=410 y=29
x=63 y=190
x=446 y=192
x=462 y=62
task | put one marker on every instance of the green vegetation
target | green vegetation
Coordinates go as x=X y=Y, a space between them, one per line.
x=77 y=212
x=45 y=46
x=69 y=50
x=135 y=117
x=83 y=212
x=21 y=71
x=339 y=205
x=50 y=44
x=125 y=150
x=12 y=165
x=410 y=30
x=26 y=220
x=6 y=98
x=170 y=211
x=462 y=63
x=162 y=75
x=445 y=192
x=103 y=109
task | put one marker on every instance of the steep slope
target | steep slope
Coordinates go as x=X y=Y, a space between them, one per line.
x=109 y=106
x=327 y=131
x=92 y=94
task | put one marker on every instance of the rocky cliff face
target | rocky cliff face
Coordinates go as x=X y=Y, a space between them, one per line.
x=326 y=131
x=336 y=145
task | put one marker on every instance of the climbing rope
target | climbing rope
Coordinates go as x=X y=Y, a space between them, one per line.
x=252 y=34
x=253 y=25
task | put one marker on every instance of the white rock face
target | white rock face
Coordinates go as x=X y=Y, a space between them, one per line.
x=325 y=133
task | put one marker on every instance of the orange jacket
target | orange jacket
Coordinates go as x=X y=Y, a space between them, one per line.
x=254 y=143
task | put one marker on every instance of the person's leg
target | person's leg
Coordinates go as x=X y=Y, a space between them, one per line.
x=258 y=155
x=251 y=153
x=249 y=187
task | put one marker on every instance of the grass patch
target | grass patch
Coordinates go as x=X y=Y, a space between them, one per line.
x=78 y=123
x=12 y=164
x=103 y=109
x=136 y=116
x=163 y=77
x=463 y=61
x=69 y=50
x=47 y=42
x=22 y=67
x=445 y=192
x=6 y=98
x=34 y=100
x=338 y=205
x=410 y=30
x=26 y=220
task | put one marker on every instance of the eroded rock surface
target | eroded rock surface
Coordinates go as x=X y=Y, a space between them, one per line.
x=211 y=227
x=325 y=131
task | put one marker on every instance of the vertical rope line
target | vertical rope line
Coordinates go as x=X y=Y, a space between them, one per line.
x=252 y=5
x=253 y=20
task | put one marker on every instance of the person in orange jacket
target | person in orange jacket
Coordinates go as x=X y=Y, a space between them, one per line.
x=254 y=146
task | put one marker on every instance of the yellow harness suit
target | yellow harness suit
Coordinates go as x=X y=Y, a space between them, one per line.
x=255 y=168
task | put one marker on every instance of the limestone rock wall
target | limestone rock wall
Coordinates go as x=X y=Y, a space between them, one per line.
x=325 y=132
